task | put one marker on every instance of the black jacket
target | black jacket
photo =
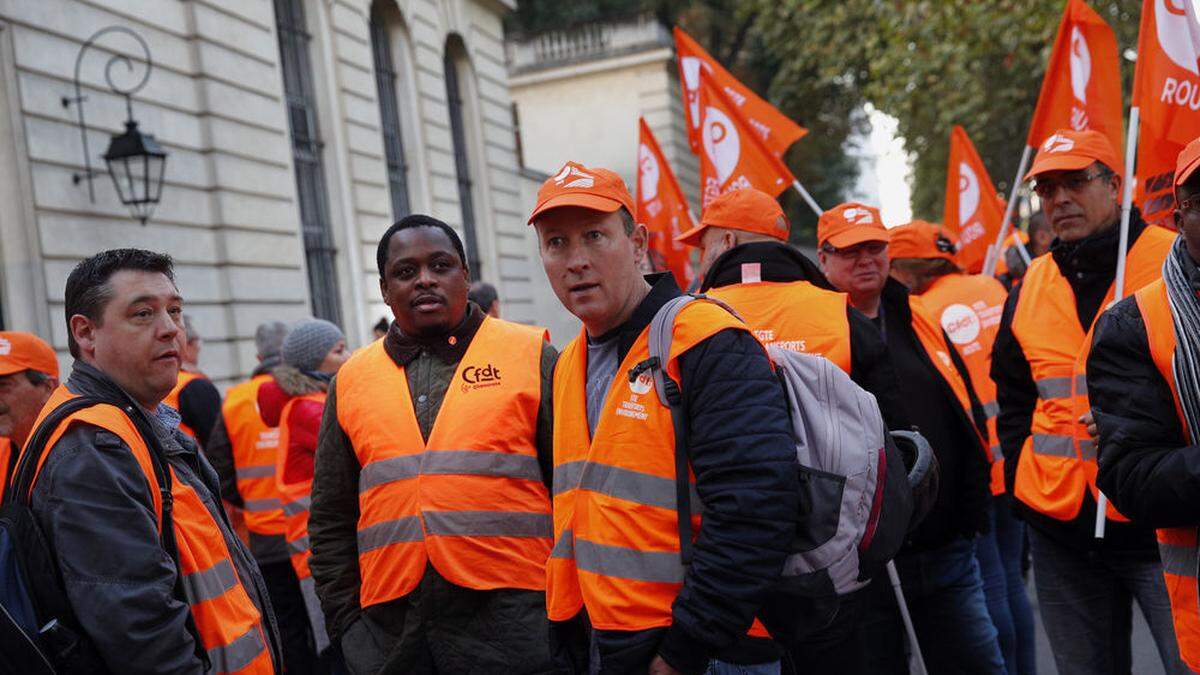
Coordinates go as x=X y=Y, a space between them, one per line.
x=870 y=366
x=1147 y=468
x=1089 y=265
x=743 y=456
x=92 y=501
x=961 y=508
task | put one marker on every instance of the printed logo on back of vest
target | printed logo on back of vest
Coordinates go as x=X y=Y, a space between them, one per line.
x=480 y=377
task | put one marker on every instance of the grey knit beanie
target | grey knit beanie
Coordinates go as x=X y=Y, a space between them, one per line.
x=308 y=342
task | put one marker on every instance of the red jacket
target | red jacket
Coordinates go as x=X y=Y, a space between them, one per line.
x=303 y=423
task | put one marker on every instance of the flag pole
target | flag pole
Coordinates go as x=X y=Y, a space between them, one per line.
x=989 y=265
x=812 y=203
x=1122 y=249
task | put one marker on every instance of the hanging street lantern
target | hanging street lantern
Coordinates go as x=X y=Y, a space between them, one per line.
x=135 y=160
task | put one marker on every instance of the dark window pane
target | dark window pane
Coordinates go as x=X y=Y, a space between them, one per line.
x=389 y=115
x=319 y=251
x=461 y=164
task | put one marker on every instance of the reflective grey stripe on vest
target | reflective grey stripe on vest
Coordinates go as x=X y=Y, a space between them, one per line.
x=257 y=471
x=1081 y=383
x=238 y=654
x=488 y=524
x=269 y=504
x=211 y=583
x=991 y=409
x=622 y=483
x=389 y=532
x=997 y=452
x=1054 y=387
x=565 y=546
x=1179 y=560
x=1087 y=449
x=450 y=463
x=1054 y=445
x=566 y=475
x=628 y=563
x=297 y=507
x=298 y=546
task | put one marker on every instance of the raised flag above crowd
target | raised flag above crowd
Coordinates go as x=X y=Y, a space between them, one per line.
x=732 y=155
x=776 y=130
x=662 y=208
x=1166 y=91
x=973 y=211
x=1082 y=85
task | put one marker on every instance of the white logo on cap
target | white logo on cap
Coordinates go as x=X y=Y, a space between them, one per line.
x=857 y=216
x=1177 y=33
x=5 y=347
x=1081 y=64
x=582 y=180
x=968 y=193
x=721 y=143
x=1058 y=143
x=647 y=173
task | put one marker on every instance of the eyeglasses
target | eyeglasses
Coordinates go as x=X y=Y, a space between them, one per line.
x=1073 y=183
x=870 y=248
x=1190 y=204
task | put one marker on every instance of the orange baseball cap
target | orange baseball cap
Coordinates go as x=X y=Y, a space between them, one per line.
x=1068 y=150
x=922 y=239
x=849 y=224
x=577 y=185
x=26 y=351
x=748 y=210
x=1188 y=162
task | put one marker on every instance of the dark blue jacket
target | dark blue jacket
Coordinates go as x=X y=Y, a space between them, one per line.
x=743 y=455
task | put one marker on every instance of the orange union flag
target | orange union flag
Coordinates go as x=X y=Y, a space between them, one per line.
x=1166 y=91
x=732 y=155
x=1082 y=86
x=776 y=130
x=972 y=211
x=662 y=208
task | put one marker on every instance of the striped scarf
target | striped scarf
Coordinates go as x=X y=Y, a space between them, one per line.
x=1185 y=309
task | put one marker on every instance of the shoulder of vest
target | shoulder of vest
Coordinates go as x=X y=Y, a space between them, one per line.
x=367 y=354
x=518 y=330
x=1154 y=241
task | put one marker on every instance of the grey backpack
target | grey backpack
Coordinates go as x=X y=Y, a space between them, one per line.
x=856 y=498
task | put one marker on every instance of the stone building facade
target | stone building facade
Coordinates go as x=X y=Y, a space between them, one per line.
x=298 y=130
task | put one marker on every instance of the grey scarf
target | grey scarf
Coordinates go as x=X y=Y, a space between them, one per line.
x=1185 y=310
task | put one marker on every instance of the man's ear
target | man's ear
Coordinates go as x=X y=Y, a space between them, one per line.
x=641 y=240
x=84 y=332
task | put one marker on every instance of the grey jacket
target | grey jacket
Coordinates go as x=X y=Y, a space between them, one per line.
x=93 y=503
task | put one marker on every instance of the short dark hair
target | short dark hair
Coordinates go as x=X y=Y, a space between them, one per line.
x=627 y=221
x=411 y=221
x=1191 y=186
x=88 y=290
x=382 y=325
x=483 y=294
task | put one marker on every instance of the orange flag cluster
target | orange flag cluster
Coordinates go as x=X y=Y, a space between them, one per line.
x=739 y=138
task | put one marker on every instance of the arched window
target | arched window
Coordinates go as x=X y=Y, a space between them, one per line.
x=319 y=250
x=457 y=70
x=382 y=20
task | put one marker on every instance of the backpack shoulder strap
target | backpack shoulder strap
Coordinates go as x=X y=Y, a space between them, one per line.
x=21 y=480
x=662 y=328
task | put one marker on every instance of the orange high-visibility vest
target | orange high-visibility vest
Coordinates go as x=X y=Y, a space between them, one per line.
x=795 y=315
x=296 y=496
x=616 y=532
x=229 y=623
x=470 y=500
x=254 y=447
x=933 y=340
x=1058 y=459
x=1177 y=546
x=172 y=399
x=968 y=306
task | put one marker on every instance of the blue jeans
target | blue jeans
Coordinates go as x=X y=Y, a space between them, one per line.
x=1086 y=601
x=944 y=594
x=722 y=668
x=999 y=556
